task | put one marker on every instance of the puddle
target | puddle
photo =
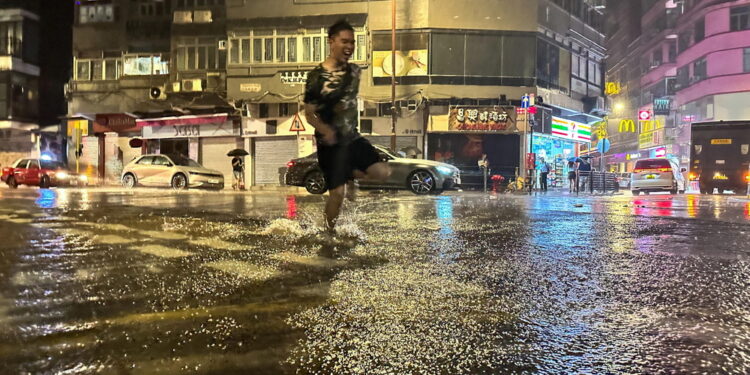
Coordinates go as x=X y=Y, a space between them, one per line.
x=162 y=251
x=244 y=270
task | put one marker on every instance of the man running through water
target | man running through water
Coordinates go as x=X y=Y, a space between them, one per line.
x=331 y=108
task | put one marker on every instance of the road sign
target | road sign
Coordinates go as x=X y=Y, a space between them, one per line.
x=644 y=115
x=297 y=125
x=603 y=145
x=525 y=101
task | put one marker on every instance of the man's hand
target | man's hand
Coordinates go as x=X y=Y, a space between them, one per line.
x=329 y=138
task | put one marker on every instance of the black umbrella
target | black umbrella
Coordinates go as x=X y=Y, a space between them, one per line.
x=238 y=152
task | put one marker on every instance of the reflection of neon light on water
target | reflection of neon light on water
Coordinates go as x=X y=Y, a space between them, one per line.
x=692 y=205
x=444 y=211
x=47 y=198
x=291 y=207
x=747 y=210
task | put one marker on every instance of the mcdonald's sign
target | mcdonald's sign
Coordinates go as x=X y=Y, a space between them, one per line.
x=626 y=126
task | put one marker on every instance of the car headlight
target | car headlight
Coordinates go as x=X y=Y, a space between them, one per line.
x=83 y=178
x=61 y=175
x=445 y=170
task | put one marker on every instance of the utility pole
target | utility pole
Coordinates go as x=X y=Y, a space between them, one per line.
x=393 y=75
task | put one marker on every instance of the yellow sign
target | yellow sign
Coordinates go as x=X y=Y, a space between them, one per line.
x=650 y=125
x=612 y=88
x=721 y=141
x=627 y=126
x=82 y=125
x=408 y=63
x=601 y=130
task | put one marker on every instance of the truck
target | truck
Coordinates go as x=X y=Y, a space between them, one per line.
x=719 y=157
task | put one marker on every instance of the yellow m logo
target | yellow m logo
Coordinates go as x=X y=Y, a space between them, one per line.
x=627 y=126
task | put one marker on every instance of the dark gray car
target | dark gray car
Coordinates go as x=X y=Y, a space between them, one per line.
x=417 y=175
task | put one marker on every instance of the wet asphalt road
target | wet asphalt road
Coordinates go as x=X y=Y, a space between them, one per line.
x=156 y=281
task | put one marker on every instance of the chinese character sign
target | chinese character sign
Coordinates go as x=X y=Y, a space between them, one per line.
x=492 y=119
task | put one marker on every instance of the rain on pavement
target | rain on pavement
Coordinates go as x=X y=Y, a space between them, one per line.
x=157 y=281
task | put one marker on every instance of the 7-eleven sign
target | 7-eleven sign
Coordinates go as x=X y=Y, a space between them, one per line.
x=571 y=129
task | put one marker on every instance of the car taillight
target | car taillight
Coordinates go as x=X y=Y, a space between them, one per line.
x=665 y=169
x=290 y=164
x=638 y=170
x=692 y=176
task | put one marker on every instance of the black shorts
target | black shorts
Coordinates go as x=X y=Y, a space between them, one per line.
x=339 y=161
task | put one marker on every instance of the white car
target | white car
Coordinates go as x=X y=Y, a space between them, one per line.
x=176 y=171
x=651 y=175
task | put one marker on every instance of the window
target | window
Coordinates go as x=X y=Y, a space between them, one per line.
x=200 y=54
x=97 y=69
x=683 y=41
x=739 y=18
x=287 y=46
x=286 y=109
x=656 y=57
x=672 y=51
x=280 y=50
x=146 y=160
x=746 y=61
x=700 y=30
x=699 y=70
x=140 y=65
x=96 y=13
x=365 y=126
x=271 y=126
x=683 y=76
x=263 y=110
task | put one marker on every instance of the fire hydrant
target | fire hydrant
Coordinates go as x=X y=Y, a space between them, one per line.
x=496 y=181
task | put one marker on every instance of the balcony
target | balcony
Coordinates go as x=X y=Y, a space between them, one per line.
x=11 y=47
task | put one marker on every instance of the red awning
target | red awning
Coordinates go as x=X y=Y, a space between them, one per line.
x=183 y=120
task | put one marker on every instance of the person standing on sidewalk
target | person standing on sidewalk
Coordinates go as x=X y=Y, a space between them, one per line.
x=331 y=108
x=572 y=182
x=237 y=166
x=544 y=169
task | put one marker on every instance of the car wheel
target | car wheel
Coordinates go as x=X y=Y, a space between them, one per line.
x=673 y=191
x=44 y=182
x=315 y=183
x=128 y=181
x=421 y=182
x=12 y=182
x=179 y=182
x=680 y=191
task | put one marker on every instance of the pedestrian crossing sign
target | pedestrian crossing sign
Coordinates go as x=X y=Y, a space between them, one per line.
x=297 y=125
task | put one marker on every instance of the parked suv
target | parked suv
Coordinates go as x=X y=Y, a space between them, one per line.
x=42 y=173
x=651 y=175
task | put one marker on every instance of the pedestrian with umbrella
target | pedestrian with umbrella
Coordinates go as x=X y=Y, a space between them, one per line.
x=572 y=174
x=238 y=168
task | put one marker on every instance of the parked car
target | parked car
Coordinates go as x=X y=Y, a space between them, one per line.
x=417 y=175
x=176 y=171
x=651 y=175
x=42 y=173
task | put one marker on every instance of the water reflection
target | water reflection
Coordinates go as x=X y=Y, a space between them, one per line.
x=444 y=212
x=291 y=207
x=47 y=198
x=693 y=201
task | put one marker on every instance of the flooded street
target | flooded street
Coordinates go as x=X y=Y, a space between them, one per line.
x=157 y=281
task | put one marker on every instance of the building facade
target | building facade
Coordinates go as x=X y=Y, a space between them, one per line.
x=692 y=64
x=19 y=79
x=149 y=66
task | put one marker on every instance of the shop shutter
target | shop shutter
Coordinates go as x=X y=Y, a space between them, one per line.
x=214 y=155
x=272 y=154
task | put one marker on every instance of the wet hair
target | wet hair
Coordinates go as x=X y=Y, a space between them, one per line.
x=339 y=26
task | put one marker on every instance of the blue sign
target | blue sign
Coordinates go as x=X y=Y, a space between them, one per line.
x=603 y=145
x=525 y=101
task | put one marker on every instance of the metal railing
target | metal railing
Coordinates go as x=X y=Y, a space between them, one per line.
x=596 y=182
x=11 y=47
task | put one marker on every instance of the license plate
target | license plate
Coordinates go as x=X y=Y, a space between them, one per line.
x=213 y=181
x=651 y=176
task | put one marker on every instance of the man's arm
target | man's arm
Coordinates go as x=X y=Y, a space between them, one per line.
x=329 y=134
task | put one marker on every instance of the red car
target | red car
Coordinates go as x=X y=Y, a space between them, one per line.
x=42 y=173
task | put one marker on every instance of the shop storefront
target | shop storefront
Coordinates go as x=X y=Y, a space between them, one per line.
x=466 y=133
x=556 y=151
x=205 y=138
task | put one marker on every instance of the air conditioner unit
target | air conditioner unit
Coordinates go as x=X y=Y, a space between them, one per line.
x=192 y=85
x=183 y=16
x=222 y=45
x=202 y=16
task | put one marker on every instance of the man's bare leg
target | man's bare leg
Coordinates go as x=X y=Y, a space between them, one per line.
x=333 y=206
x=376 y=172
